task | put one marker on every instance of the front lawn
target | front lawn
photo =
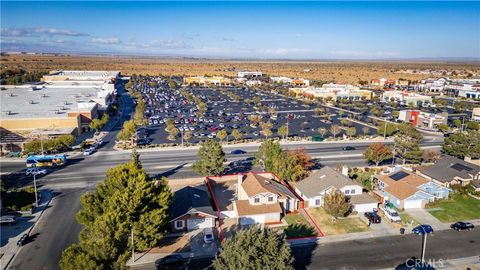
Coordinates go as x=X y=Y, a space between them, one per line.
x=298 y=226
x=329 y=226
x=457 y=207
x=407 y=220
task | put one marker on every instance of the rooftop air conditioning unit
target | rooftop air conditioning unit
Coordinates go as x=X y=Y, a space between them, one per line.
x=57 y=112
x=7 y=112
x=31 y=102
x=11 y=94
x=44 y=95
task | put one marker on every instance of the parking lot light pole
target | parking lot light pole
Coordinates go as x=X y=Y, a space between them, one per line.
x=424 y=246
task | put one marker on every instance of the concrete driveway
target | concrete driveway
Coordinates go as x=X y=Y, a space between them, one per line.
x=424 y=217
x=198 y=246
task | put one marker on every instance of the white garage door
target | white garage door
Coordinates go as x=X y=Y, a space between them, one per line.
x=199 y=223
x=365 y=207
x=254 y=219
x=412 y=204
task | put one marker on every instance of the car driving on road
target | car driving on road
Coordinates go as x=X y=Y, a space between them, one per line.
x=238 y=152
x=462 y=226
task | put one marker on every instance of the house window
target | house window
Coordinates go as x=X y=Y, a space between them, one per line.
x=270 y=199
x=317 y=202
x=179 y=224
x=352 y=191
x=347 y=192
x=256 y=200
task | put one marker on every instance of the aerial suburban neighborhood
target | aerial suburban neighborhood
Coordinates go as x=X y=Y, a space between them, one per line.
x=125 y=153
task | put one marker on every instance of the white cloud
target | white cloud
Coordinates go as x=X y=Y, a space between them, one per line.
x=367 y=54
x=29 y=32
x=106 y=41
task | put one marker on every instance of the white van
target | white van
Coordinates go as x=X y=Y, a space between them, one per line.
x=391 y=214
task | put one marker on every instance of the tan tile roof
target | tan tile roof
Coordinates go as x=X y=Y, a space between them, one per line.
x=412 y=179
x=255 y=184
x=244 y=208
x=401 y=190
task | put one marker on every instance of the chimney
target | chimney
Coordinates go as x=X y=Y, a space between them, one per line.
x=345 y=170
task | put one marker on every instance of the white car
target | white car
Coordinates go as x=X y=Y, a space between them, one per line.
x=88 y=151
x=391 y=214
x=208 y=235
x=37 y=171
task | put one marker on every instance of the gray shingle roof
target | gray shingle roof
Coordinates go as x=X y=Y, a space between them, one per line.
x=321 y=180
x=449 y=167
x=190 y=200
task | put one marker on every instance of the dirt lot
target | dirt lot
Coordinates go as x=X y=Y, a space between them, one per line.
x=340 y=71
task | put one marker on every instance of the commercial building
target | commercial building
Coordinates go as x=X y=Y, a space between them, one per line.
x=406 y=98
x=423 y=119
x=333 y=92
x=476 y=114
x=205 y=81
x=64 y=103
x=249 y=74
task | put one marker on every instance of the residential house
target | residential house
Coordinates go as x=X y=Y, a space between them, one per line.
x=451 y=170
x=405 y=189
x=191 y=209
x=314 y=188
x=262 y=198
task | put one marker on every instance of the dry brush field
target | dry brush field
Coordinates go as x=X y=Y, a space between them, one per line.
x=339 y=71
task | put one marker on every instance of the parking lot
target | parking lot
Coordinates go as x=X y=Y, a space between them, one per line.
x=231 y=108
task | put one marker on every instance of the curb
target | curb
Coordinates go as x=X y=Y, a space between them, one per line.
x=28 y=233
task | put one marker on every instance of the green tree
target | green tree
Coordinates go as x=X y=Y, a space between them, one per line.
x=407 y=144
x=292 y=165
x=260 y=249
x=335 y=204
x=267 y=153
x=172 y=132
x=387 y=129
x=128 y=199
x=351 y=132
x=222 y=134
x=378 y=152
x=443 y=127
x=283 y=131
x=266 y=129
x=210 y=159
x=322 y=131
x=128 y=130
x=237 y=134
x=461 y=145
x=187 y=135
x=457 y=123
x=472 y=126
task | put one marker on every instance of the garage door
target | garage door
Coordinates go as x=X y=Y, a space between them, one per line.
x=199 y=223
x=254 y=219
x=412 y=204
x=365 y=207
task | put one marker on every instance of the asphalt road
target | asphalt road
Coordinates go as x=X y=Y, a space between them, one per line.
x=379 y=253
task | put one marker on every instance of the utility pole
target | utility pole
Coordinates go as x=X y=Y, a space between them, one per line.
x=35 y=187
x=287 y=129
x=424 y=245
x=182 y=137
x=385 y=131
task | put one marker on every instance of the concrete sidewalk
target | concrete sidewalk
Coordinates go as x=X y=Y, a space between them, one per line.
x=25 y=224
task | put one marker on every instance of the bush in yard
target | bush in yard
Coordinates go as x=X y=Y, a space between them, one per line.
x=335 y=203
x=255 y=248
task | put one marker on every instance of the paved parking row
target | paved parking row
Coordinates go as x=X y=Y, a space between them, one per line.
x=228 y=109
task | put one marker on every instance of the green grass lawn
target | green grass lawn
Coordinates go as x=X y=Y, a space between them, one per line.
x=339 y=226
x=407 y=220
x=298 y=226
x=457 y=207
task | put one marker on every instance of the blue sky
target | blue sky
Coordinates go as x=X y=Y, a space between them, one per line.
x=295 y=30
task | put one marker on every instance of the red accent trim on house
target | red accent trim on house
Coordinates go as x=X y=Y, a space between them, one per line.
x=207 y=180
x=315 y=223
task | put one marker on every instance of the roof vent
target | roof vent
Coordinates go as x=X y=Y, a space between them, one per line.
x=57 y=112
x=7 y=112
x=31 y=102
x=11 y=94
x=44 y=95
x=66 y=102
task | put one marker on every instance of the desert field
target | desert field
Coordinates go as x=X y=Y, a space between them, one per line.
x=339 y=71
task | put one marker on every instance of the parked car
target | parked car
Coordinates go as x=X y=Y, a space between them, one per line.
x=171 y=262
x=23 y=240
x=422 y=229
x=7 y=220
x=208 y=235
x=88 y=151
x=373 y=217
x=37 y=171
x=391 y=214
x=462 y=226
x=348 y=148
x=238 y=152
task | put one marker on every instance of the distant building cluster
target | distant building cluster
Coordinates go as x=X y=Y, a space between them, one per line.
x=333 y=92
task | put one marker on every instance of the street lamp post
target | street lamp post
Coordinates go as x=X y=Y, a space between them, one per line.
x=133 y=247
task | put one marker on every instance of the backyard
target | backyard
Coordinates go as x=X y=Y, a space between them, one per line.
x=329 y=226
x=298 y=226
x=457 y=207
